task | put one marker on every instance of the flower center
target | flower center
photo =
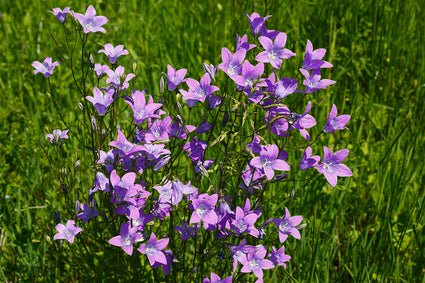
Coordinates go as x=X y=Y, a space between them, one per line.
x=283 y=227
x=326 y=166
x=231 y=70
x=253 y=264
x=201 y=210
x=272 y=55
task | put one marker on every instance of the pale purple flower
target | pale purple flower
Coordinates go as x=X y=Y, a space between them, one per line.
x=57 y=136
x=244 y=223
x=88 y=212
x=255 y=262
x=331 y=165
x=216 y=279
x=46 y=68
x=128 y=236
x=274 y=51
x=203 y=206
x=239 y=253
x=313 y=58
x=198 y=91
x=279 y=257
x=269 y=161
x=154 y=250
x=285 y=87
x=314 y=81
x=61 y=15
x=336 y=123
x=124 y=145
x=116 y=76
x=159 y=130
x=67 y=232
x=250 y=74
x=113 y=52
x=307 y=160
x=101 y=101
x=287 y=225
x=141 y=109
x=100 y=69
x=232 y=63
x=90 y=22
x=174 y=77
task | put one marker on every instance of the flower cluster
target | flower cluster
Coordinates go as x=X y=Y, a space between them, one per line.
x=204 y=167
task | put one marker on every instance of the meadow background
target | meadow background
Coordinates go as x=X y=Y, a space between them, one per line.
x=370 y=228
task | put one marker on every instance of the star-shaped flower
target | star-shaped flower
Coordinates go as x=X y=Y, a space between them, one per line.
x=336 y=123
x=331 y=165
x=274 y=51
x=154 y=250
x=113 y=52
x=128 y=236
x=91 y=22
x=67 y=232
x=287 y=225
x=46 y=68
x=100 y=101
x=61 y=15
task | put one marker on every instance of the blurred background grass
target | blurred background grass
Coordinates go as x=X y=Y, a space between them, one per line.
x=370 y=228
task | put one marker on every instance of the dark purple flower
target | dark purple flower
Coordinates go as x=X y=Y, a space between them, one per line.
x=274 y=51
x=61 y=15
x=174 y=77
x=336 y=123
x=269 y=161
x=46 y=68
x=196 y=149
x=302 y=122
x=331 y=165
x=154 y=250
x=187 y=231
x=198 y=91
x=232 y=63
x=307 y=160
x=128 y=236
x=313 y=82
x=203 y=127
x=284 y=87
x=279 y=257
x=88 y=212
x=100 y=101
x=255 y=262
x=257 y=23
x=242 y=43
x=113 y=52
x=57 y=136
x=287 y=225
x=90 y=22
x=313 y=59
x=67 y=232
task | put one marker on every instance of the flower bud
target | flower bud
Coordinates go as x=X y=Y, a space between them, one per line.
x=57 y=217
x=80 y=105
x=64 y=189
x=93 y=123
x=77 y=164
x=225 y=119
x=161 y=85
x=134 y=67
x=210 y=69
x=77 y=206
x=64 y=172
x=91 y=61
x=281 y=176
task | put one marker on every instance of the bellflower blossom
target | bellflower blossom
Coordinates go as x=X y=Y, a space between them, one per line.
x=100 y=69
x=203 y=206
x=313 y=59
x=242 y=43
x=61 y=15
x=216 y=279
x=285 y=87
x=255 y=262
x=287 y=225
x=88 y=212
x=274 y=51
x=90 y=22
x=331 y=165
x=67 y=232
x=46 y=68
x=257 y=23
x=141 y=109
x=174 y=77
x=115 y=77
x=128 y=236
x=269 y=161
x=231 y=63
x=198 y=91
x=57 y=136
x=307 y=160
x=336 y=123
x=154 y=250
x=279 y=257
x=113 y=52
x=313 y=82
x=100 y=101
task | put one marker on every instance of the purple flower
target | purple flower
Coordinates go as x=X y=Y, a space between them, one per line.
x=302 y=122
x=100 y=101
x=67 y=232
x=141 y=109
x=231 y=63
x=113 y=52
x=242 y=43
x=128 y=236
x=313 y=82
x=336 y=123
x=287 y=225
x=279 y=257
x=203 y=206
x=46 y=68
x=124 y=145
x=90 y=22
x=57 y=136
x=159 y=130
x=175 y=77
x=331 y=165
x=274 y=51
x=255 y=262
x=284 y=87
x=172 y=192
x=244 y=223
x=88 y=212
x=239 y=253
x=196 y=149
x=307 y=160
x=250 y=74
x=187 y=231
x=100 y=69
x=257 y=23
x=269 y=161
x=313 y=59
x=61 y=15
x=198 y=91
x=154 y=250
x=216 y=279
x=115 y=77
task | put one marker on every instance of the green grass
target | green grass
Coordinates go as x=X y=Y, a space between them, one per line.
x=371 y=227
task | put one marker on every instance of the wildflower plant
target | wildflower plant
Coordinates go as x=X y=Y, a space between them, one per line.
x=182 y=181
